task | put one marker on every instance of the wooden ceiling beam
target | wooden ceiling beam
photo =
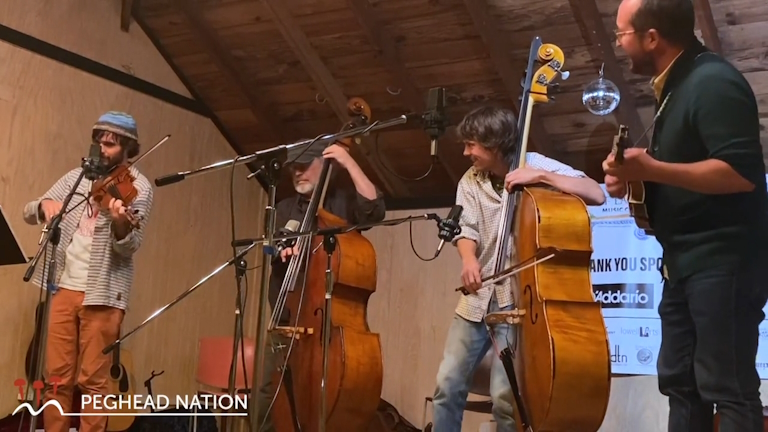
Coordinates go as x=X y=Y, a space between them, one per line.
x=383 y=41
x=228 y=66
x=125 y=15
x=327 y=85
x=511 y=72
x=593 y=31
x=706 y=22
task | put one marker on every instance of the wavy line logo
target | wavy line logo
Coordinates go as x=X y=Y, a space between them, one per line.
x=34 y=413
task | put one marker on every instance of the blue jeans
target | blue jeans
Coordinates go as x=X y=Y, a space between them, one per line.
x=465 y=348
x=709 y=338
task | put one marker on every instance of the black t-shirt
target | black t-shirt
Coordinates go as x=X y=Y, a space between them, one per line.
x=711 y=113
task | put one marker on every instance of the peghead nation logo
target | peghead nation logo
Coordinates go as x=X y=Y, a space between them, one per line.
x=624 y=296
x=126 y=405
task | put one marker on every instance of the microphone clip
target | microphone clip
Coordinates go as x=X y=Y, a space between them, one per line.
x=449 y=229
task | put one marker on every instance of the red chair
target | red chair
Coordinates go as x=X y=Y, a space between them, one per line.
x=214 y=360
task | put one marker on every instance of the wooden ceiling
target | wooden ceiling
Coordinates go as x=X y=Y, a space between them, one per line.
x=276 y=71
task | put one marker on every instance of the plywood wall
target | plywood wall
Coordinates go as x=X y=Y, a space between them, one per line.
x=46 y=114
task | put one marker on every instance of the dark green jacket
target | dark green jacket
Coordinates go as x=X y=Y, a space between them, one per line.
x=711 y=113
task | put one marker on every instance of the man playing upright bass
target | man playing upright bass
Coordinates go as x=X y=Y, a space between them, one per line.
x=351 y=196
x=489 y=137
x=705 y=193
x=94 y=273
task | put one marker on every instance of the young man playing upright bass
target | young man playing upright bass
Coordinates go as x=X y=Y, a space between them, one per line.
x=706 y=196
x=94 y=274
x=489 y=135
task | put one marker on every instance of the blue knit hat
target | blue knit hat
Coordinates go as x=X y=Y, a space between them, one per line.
x=118 y=123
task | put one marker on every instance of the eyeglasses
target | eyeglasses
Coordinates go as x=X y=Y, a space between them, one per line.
x=619 y=34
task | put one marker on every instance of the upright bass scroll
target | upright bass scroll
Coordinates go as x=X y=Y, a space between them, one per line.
x=559 y=327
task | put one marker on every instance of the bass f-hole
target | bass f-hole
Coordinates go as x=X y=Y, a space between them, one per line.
x=320 y=312
x=533 y=317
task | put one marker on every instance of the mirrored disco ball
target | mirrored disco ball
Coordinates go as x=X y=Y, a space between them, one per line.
x=601 y=97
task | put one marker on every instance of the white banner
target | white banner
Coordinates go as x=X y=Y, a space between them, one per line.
x=626 y=279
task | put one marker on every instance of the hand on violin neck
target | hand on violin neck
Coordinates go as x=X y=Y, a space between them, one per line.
x=120 y=218
x=522 y=177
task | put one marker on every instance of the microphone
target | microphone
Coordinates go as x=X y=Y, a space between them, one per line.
x=434 y=119
x=92 y=164
x=290 y=228
x=449 y=227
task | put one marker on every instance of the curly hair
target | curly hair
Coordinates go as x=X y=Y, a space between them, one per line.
x=129 y=145
x=492 y=127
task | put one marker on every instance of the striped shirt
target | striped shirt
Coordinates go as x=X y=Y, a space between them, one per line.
x=110 y=272
x=480 y=222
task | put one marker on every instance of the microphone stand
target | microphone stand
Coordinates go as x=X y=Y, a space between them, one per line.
x=53 y=236
x=322 y=140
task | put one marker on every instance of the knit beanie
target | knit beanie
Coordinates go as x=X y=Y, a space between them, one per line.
x=118 y=123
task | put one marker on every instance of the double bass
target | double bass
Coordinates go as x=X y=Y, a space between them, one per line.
x=328 y=311
x=559 y=365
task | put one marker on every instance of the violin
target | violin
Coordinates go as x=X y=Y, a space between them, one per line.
x=559 y=366
x=118 y=184
x=332 y=354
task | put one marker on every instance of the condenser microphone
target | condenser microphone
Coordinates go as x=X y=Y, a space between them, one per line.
x=449 y=227
x=434 y=118
x=92 y=164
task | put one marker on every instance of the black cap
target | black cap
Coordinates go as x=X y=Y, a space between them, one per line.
x=305 y=154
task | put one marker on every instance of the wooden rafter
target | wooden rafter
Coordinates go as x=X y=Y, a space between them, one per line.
x=226 y=63
x=125 y=15
x=488 y=28
x=323 y=79
x=596 y=36
x=706 y=22
x=383 y=41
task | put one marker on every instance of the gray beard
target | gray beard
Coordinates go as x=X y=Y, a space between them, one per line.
x=304 y=188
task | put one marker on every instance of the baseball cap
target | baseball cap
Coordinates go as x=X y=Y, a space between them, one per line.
x=305 y=154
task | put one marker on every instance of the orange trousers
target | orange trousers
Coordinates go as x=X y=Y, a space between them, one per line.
x=76 y=336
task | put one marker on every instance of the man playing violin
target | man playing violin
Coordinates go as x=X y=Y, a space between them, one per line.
x=489 y=136
x=705 y=188
x=351 y=196
x=94 y=273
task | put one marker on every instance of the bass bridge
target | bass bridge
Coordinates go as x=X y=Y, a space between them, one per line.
x=293 y=332
x=505 y=317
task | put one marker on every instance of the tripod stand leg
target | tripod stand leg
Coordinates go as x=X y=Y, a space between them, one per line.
x=237 y=340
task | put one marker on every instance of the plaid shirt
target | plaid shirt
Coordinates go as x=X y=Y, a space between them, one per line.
x=480 y=222
x=110 y=273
